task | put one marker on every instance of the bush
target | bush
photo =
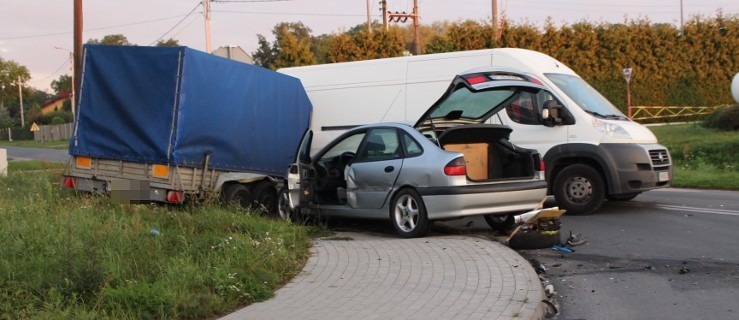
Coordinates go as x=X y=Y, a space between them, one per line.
x=726 y=119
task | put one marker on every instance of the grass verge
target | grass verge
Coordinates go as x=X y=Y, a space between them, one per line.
x=29 y=165
x=68 y=255
x=60 y=144
x=703 y=158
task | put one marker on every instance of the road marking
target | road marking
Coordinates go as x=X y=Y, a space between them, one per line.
x=682 y=208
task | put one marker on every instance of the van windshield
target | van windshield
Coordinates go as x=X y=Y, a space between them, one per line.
x=585 y=96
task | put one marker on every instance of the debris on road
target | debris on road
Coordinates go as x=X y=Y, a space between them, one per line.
x=563 y=249
x=684 y=270
x=575 y=239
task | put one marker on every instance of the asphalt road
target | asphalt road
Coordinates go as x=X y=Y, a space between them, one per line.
x=50 y=155
x=668 y=254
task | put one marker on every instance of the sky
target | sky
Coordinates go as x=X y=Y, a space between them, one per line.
x=30 y=30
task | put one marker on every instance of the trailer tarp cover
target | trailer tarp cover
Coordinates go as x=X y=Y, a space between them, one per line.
x=175 y=105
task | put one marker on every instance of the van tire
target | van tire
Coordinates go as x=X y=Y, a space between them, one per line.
x=237 y=193
x=579 y=189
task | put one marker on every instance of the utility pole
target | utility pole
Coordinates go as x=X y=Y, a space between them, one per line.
x=206 y=12
x=369 y=19
x=20 y=96
x=496 y=29
x=681 y=18
x=403 y=17
x=77 y=48
x=383 y=8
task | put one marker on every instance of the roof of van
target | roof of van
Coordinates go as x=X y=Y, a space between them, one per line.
x=426 y=67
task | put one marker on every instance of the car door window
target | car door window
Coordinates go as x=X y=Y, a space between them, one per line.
x=381 y=144
x=412 y=148
x=349 y=144
x=524 y=109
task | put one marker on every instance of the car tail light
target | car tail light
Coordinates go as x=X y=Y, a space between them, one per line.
x=175 y=196
x=456 y=167
x=69 y=182
x=476 y=79
x=541 y=166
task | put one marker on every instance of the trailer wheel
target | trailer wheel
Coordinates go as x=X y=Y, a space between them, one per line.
x=265 y=197
x=579 y=189
x=237 y=193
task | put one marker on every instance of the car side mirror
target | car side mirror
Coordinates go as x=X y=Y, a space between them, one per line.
x=556 y=115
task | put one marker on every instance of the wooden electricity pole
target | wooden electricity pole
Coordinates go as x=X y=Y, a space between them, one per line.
x=206 y=13
x=77 y=49
x=403 y=17
x=496 y=18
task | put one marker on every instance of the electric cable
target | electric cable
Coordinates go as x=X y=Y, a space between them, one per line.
x=178 y=23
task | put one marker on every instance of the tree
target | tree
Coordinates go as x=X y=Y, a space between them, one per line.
x=62 y=85
x=292 y=47
x=168 y=43
x=112 y=40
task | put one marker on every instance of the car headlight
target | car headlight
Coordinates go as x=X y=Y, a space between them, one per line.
x=611 y=129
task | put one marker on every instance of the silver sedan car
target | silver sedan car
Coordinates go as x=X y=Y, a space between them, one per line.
x=449 y=165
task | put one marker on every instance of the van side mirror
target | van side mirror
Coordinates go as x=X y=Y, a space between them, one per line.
x=556 y=115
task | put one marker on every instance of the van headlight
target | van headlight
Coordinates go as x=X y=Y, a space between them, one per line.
x=611 y=129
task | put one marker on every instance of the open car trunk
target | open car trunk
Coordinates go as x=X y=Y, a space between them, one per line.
x=488 y=153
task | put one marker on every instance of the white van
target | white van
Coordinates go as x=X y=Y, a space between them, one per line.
x=591 y=151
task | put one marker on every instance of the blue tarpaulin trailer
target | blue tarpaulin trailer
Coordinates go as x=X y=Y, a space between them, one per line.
x=205 y=122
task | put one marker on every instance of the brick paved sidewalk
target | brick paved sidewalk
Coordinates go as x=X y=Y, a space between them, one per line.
x=376 y=277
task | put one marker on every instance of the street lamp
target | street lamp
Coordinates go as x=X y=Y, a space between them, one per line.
x=71 y=72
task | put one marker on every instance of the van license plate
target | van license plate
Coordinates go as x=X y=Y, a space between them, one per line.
x=664 y=176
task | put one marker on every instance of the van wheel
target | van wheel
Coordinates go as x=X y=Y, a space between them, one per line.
x=265 y=197
x=500 y=223
x=237 y=193
x=408 y=214
x=579 y=189
x=284 y=211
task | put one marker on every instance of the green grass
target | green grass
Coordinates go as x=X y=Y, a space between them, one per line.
x=30 y=165
x=703 y=158
x=60 y=144
x=77 y=256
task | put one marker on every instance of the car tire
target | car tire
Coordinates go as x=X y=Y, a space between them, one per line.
x=623 y=197
x=500 y=223
x=579 y=189
x=408 y=214
x=237 y=193
x=265 y=197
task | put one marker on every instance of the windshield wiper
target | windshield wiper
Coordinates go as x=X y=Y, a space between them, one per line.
x=607 y=116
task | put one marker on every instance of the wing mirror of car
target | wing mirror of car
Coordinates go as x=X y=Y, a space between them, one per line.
x=556 y=115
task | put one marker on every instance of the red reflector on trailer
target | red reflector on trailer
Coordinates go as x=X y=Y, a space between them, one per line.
x=175 y=196
x=542 y=166
x=69 y=182
x=456 y=167
x=477 y=79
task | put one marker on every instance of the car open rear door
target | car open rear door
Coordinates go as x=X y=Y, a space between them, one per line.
x=300 y=174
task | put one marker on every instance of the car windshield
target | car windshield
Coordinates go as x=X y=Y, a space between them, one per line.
x=585 y=96
x=463 y=103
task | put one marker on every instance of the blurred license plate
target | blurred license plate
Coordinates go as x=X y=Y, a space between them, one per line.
x=664 y=176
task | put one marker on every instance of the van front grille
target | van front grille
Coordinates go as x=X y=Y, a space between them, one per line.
x=659 y=157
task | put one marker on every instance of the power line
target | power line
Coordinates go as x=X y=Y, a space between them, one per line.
x=92 y=29
x=185 y=27
x=225 y=1
x=294 y=14
x=178 y=23
x=66 y=61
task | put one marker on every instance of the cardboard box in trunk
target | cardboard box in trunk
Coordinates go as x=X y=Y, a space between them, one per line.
x=476 y=157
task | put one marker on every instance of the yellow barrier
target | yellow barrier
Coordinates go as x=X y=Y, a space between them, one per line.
x=643 y=113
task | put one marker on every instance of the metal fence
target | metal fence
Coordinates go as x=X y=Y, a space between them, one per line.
x=54 y=132
x=645 y=113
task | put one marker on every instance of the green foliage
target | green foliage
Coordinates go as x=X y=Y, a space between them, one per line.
x=112 y=40
x=68 y=255
x=702 y=157
x=724 y=119
x=168 y=43
x=364 y=46
x=62 y=85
